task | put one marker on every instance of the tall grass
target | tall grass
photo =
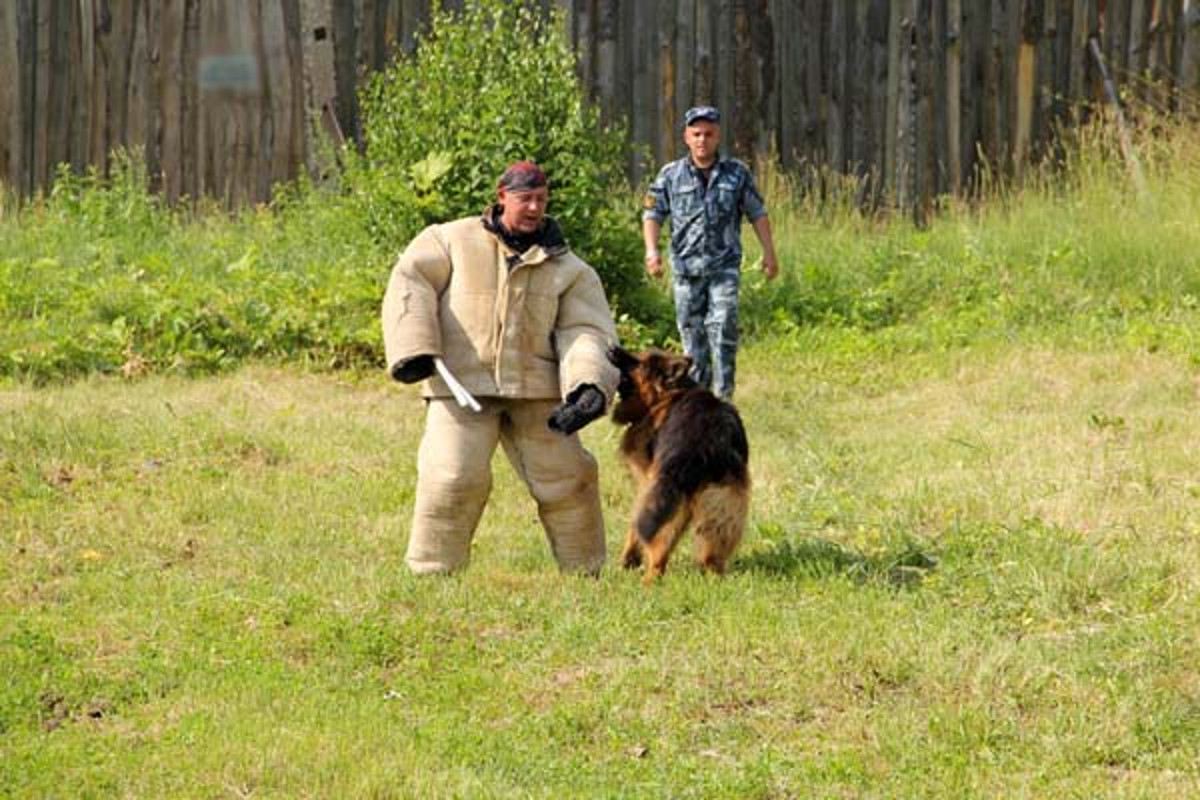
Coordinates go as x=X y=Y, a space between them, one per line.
x=99 y=277
x=1074 y=250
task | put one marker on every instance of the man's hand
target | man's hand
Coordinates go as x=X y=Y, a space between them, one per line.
x=417 y=368
x=654 y=264
x=583 y=405
x=770 y=268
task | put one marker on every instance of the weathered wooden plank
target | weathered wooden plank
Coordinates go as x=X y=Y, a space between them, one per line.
x=606 y=58
x=12 y=118
x=624 y=79
x=1189 y=60
x=42 y=82
x=953 y=114
x=83 y=53
x=344 y=39
x=999 y=92
x=644 y=88
x=925 y=90
x=1080 y=30
x=892 y=123
x=151 y=67
x=789 y=56
x=417 y=16
x=724 y=67
x=1139 y=43
x=905 y=172
x=836 y=127
x=685 y=71
x=816 y=80
x=666 y=119
x=1162 y=39
x=935 y=137
x=1116 y=29
x=1044 y=106
x=275 y=132
x=859 y=86
x=740 y=128
x=582 y=41
x=62 y=19
x=189 y=101
x=138 y=106
x=1030 y=33
x=171 y=82
x=881 y=121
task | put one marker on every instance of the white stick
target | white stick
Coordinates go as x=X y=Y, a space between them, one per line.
x=461 y=395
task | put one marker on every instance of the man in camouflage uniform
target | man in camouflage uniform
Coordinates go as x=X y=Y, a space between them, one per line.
x=705 y=195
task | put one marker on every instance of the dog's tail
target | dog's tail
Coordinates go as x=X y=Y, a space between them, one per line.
x=659 y=506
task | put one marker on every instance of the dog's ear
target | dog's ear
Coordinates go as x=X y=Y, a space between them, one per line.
x=679 y=368
x=621 y=358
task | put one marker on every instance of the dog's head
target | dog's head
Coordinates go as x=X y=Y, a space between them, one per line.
x=645 y=378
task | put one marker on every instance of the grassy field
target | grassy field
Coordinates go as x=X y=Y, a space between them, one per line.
x=973 y=575
x=972 y=569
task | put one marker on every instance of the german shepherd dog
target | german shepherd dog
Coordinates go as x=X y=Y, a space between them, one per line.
x=689 y=458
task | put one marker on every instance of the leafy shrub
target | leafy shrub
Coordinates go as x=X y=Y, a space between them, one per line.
x=100 y=277
x=490 y=85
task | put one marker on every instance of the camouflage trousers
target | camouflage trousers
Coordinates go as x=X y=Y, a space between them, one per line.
x=706 y=311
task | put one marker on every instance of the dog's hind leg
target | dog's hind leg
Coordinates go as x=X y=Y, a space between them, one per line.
x=719 y=512
x=657 y=551
x=631 y=554
x=660 y=516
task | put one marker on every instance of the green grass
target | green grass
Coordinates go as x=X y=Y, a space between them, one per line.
x=972 y=569
x=976 y=577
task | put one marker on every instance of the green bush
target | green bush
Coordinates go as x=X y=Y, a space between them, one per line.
x=493 y=84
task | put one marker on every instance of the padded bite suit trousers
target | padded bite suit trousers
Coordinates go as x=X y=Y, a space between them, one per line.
x=454 y=480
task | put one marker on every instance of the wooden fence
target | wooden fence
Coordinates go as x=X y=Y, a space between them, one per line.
x=226 y=97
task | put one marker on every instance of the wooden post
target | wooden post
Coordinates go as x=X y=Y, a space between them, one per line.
x=880 y=121
x=893 y=121
x=860 y=87
x=1031 y=29
x=906 y=109
x=790 y=58
x=665 y=120
x=954 y=93
x=644 y=88
x=606 y=53
x=724 y=67
x=1116 y=34
x=926 y=91
x=1080 y=30
x=12 y=120
x=838 y=106
x=685 y=74
x=1189 y=61
x=1139 y=22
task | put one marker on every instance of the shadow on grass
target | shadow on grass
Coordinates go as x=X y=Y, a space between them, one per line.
x=904 y=566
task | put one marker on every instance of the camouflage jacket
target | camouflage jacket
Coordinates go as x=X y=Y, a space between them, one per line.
x=705 y=217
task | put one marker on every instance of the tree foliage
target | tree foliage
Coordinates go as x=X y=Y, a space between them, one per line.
x=489 y=85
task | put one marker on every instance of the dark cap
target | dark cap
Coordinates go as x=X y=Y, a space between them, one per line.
x=521 y=176
x=701 y=114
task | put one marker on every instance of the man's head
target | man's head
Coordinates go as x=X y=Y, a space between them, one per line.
x=702 y=134
x=522 y=194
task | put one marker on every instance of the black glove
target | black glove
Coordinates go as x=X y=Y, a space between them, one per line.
x=583 y=405
x=415 y=369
